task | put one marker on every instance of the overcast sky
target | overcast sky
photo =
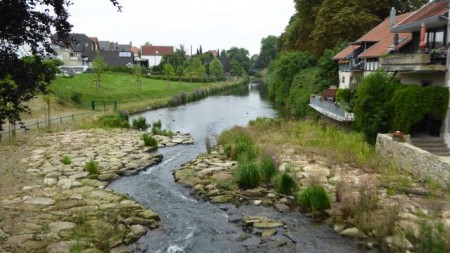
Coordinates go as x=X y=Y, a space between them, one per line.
x=214 y=24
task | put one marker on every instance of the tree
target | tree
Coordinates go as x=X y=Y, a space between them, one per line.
x=30 y=23
x=99 y=66
x=196 y=68
x=240 y=57
x=216 y=69
x=268 y=50
x=168 y=72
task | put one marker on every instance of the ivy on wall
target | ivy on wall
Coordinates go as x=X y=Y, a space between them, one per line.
x=384 y=105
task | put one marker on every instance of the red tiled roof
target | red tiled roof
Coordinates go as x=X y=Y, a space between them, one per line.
x=135 y=50
x=157 y=50
x=432 y=9
x=382 y=37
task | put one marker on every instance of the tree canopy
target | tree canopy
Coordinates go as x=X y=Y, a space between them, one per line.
x=28 y=23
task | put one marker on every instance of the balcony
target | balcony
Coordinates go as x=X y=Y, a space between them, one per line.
x=330 y=109
x=414 y=62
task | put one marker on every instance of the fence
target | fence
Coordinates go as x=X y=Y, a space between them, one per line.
x=46 y=123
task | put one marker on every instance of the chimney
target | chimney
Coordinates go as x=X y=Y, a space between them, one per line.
x=393 y=14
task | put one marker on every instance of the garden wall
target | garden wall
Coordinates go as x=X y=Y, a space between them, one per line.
x=419 y=162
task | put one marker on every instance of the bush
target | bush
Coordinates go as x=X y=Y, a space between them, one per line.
x=76 y=98
x=91 y=167
x=238 y=143
x=66 y=160
x=149 y=141
x=156 y=129
x=432 y=240
x=268 y=168
x=285 y=183
x=139 y=123
x=247 y=175
x=314 y=198
x=112 y=121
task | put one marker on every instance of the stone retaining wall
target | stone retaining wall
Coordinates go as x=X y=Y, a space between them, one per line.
x=421 y=163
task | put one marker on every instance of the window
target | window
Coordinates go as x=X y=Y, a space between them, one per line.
x=435 y=38
x=124 y=54
x=343 y=79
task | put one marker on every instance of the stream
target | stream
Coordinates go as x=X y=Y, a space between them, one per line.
x=190 y=225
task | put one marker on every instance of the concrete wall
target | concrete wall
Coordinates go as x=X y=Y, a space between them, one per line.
x=436 y=79
x=419 y=162
x=153 y=60
x=346 y=77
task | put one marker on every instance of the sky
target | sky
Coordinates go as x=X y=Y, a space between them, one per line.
x=213 y=24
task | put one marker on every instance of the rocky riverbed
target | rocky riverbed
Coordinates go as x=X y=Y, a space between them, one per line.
x=388 y=219
x=69 y=209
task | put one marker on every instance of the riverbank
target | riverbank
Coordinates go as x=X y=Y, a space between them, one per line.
x=53 y=195
x=371 y=201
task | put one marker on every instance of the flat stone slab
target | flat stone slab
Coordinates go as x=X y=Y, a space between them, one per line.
x=40 y=201
x=55 y=227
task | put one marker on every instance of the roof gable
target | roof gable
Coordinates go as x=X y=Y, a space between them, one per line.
x=378 y=41
x=157 y=50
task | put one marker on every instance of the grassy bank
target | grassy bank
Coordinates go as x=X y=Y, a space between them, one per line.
x=365 y=196
x=80 y=90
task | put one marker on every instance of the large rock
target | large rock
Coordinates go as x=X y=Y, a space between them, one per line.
x=352 y=232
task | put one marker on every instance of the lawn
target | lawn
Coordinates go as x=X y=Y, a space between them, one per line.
x=121 y=88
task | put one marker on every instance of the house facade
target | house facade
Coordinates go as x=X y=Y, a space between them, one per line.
x=154 y=54
x=425 y=61
x=359 y=59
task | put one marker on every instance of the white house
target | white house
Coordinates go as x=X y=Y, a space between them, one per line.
x=154 y=54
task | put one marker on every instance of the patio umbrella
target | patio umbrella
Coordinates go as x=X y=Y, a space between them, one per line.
x=423 y=43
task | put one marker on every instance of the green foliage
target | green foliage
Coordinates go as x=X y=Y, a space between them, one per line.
x=91 y=167
x=247 y=175
x=303 y=85
x=285 y=183
x=237 y=143
x=216 y=68
x=139 y=123
x=149 y=140
x=156 y=129
x=112 y=121
x=268 y=168
x=282 y=72
x=345 y=98
x=412 y=103
x=168 y=71
x=268 y=50
x=373 y=108
x=314 y=198
x=432 y=240
x=66 y=160
x=76 y=98
x=239 y=59
x=328 y=70
x=383 y=105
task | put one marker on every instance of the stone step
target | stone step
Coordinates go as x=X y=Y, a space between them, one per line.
x=442 y=153
x=432 y=150
x=430 y=145
x=434 y=145
x=427 y=140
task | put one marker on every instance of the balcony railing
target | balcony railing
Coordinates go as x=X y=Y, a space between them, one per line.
x=414 y=62
x=330 y=109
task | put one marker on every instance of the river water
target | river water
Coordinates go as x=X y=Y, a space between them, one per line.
x=190 y=225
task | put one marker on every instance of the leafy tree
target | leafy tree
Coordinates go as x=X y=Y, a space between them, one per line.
x=196 y=68
x=282 y=71
x=268 y=50
x=328 y=70
x=340 y=20
x=168 y=72
x=28 y=23
x=99 y=66
x=373 y=108
x=216 y=69
x=241 y=58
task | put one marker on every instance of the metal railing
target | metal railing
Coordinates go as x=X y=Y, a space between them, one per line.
x=16 y=127
x=330 y=109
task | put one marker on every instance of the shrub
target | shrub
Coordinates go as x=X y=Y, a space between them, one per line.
x=66 y=160
x=139 y=123
x=432 y=240
x=156 y=129
x=314 y=198
x=268 y=168
x=285 y=183
x=76 y=98
x=112 y=121
x=247 y=175
x=149 y=141
x=238 y=143
x=91 y=167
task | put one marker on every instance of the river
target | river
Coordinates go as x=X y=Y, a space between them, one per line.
x=190 y=225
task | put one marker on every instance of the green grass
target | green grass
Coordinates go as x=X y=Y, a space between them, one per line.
x=149 y=141
x=268 y=168
x=121 y=88
x=66 y=160
x=285 y=183
x=92 y=167
x=247 y=175
x=314 y=198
